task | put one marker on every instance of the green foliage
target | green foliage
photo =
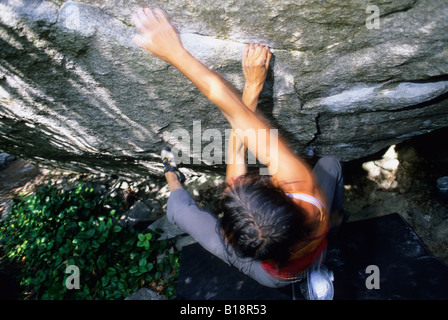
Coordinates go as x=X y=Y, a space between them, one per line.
x=52 y=229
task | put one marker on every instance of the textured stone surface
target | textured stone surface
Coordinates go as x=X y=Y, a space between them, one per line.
x=75 y=91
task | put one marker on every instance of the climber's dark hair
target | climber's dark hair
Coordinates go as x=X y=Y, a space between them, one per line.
x=259 y=220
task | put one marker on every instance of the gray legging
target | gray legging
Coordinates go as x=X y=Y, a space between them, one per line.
x=203 y=226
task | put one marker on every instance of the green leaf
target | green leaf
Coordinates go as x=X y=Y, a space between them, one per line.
x=90 y=233
x=105 y=280
x=142 y=262
x=102 y=226
x=101 y=263
x=95 y=245
x=142 y=270
x=111 y=271
x=133 y=269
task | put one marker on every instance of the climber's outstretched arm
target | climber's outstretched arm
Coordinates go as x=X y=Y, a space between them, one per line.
x=255 y=64
x=160 y=38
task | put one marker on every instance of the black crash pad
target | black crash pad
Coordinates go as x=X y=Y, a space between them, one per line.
x=407 y=270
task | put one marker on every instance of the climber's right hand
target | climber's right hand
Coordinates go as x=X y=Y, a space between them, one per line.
x=157 y=34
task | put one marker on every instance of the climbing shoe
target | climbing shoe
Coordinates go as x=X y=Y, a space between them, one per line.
x=169 y=163
x=319 y=284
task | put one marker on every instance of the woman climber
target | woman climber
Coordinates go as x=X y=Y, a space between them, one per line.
x=273 y=227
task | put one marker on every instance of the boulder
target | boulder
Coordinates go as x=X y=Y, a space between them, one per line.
x=440 y=232
x=5 y=160
x=141 y=214
x=167 y=229
x=347 y=78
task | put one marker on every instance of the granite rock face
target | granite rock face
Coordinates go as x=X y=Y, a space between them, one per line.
x=347 y=78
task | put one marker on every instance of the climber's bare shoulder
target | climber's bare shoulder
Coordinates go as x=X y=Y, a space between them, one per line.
x=293 y=173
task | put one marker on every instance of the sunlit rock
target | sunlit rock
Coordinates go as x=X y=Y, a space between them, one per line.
x=76 y=92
